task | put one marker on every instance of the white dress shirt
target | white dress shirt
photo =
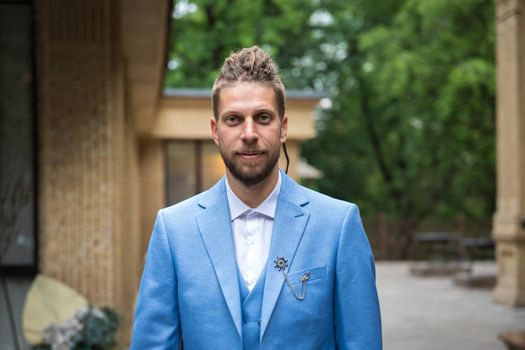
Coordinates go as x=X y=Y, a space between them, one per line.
x=252 y=232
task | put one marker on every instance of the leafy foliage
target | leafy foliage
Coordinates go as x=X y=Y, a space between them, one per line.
x=410 y=129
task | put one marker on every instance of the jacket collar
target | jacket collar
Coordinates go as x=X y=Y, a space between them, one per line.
x=267 y=207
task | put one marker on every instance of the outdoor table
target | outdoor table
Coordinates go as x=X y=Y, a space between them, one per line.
x=474 y=246
x=437 y=253
x=442 y=246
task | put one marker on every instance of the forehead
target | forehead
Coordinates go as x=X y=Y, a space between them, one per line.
x=247 y=96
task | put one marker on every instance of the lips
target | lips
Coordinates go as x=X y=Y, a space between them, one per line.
x=250 y=155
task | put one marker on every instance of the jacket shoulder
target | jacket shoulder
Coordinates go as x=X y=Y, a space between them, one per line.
x=195 y=204
x=318 y=199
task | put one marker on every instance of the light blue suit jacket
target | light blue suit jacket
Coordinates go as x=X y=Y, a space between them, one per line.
x=190 y=285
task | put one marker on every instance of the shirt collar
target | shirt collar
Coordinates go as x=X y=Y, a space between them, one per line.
x=267 y=207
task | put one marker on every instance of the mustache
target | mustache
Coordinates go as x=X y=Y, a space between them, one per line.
x=248 y=150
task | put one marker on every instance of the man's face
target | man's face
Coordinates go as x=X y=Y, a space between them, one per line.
x=248 y=131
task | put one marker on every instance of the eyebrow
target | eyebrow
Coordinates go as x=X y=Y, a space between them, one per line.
x=256 y=111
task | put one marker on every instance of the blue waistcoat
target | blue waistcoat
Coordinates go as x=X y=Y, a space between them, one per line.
x=251 y=312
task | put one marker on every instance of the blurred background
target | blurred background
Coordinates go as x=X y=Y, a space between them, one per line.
x=408 y=108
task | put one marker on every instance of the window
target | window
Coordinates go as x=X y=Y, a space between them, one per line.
x=192 y=167
x=17 y=140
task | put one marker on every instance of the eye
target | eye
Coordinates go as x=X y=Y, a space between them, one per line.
x=232 y=119
x=264 y=118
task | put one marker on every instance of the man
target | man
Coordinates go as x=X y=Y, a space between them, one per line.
x=257 y=261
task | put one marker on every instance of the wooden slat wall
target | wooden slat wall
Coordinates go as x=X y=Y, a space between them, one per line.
x=80 y=139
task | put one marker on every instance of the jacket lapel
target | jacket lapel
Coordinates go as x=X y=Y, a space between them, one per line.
x=289 y=224
x=215 y=229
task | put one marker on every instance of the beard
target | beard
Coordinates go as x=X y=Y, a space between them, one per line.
x=251 y=174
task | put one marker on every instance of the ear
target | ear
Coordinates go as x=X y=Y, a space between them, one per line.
x=214 y=130
x=284 y=128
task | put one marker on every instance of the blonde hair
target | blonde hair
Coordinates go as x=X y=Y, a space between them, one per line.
x=252 y=65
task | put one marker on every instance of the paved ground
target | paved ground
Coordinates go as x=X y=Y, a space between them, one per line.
x=431 y=313
x=419 y=313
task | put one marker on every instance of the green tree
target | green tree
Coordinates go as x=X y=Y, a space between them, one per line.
x=204 y=32
x=419 y=93
x=410 y=130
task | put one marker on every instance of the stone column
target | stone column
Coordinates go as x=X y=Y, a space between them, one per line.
x=509 y=219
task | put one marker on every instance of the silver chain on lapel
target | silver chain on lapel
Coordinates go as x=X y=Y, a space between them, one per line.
x=281 y=264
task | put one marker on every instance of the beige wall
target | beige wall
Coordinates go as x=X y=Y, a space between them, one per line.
x=128 y=246
x=88 y=172
x=152 y=186
x=80 y=129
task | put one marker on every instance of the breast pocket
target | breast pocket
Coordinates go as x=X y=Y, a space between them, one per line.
x=312 y=274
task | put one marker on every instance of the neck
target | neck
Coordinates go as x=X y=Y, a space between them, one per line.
x=253 y=195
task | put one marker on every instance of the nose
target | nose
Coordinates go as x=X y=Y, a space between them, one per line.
x=249 y=132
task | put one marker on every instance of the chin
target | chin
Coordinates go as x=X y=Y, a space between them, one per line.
x=252 y=176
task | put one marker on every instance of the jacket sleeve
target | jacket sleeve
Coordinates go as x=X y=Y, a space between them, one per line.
x=156 y=324
x=356 y=304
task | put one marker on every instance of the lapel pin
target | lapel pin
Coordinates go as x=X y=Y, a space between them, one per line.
x=305 y=276
x=281 y=264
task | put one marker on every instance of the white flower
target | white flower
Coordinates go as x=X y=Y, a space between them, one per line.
x=60 y=336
